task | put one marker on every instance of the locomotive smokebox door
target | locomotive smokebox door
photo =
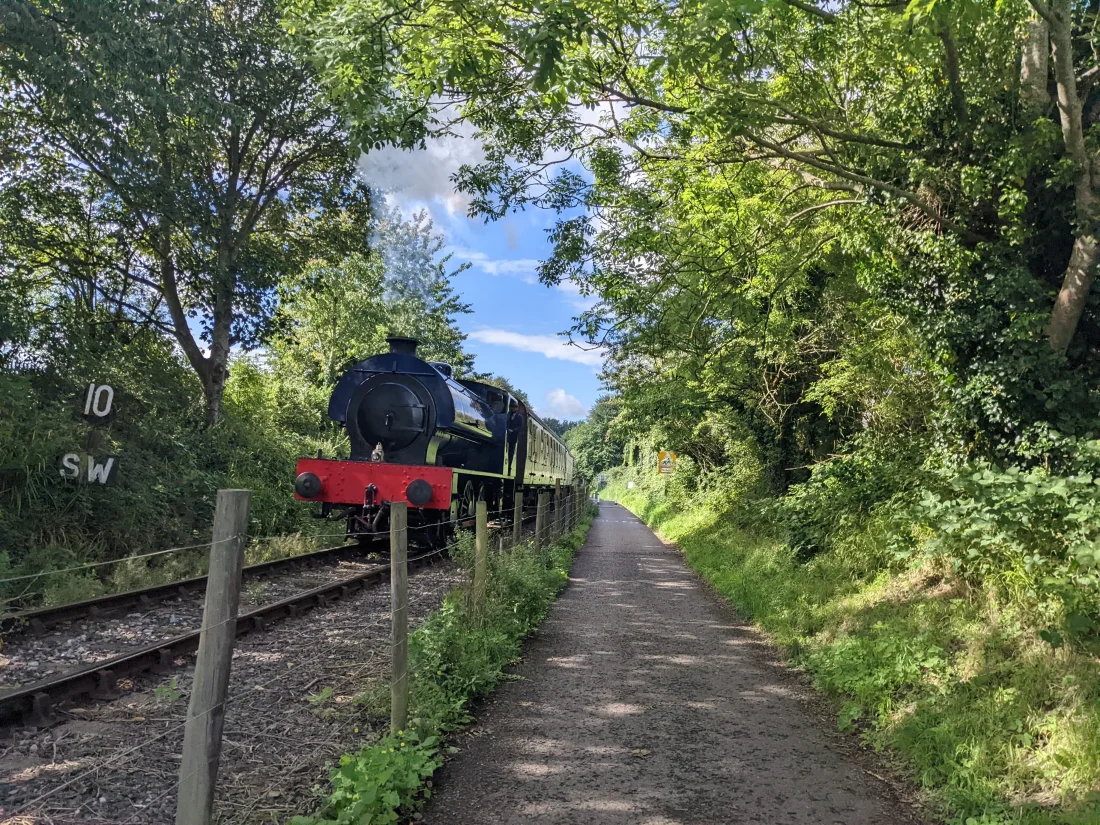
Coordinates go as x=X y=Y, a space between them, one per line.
x=391 y=410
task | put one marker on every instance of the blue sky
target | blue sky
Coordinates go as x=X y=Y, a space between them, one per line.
x=515 y=324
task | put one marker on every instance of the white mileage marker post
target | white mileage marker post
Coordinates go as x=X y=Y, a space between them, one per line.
x=86 y=468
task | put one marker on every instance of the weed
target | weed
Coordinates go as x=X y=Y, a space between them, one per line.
x=254 y=592
x=167 y=694
x=319 y=698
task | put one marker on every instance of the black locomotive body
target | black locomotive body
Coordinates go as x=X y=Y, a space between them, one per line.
x=439 y=444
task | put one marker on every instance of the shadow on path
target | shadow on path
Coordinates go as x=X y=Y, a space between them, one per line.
x=645 y=701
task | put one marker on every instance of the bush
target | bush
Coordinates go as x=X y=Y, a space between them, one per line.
x=870 y=483
x=1030 y=533
x=170 y=469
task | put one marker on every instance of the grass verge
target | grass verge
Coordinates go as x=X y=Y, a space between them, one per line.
x=457 y=655
x=996 y=726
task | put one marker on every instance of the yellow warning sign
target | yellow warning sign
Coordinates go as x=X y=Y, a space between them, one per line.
x=666 y=461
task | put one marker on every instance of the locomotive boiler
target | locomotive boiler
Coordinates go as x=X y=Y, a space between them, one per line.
x=440 y=444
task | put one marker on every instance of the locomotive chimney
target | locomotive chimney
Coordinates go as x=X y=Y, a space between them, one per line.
x=401 y=345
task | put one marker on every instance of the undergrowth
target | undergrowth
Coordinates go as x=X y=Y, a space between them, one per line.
x=951 y=676
x=457 y=656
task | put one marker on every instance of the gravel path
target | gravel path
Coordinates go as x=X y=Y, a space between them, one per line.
x=291 y=711
x=646 y=701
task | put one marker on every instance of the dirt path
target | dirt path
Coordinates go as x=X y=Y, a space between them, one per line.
x=646 y=701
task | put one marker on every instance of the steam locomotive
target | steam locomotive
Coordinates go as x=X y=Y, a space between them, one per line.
x=439 y=444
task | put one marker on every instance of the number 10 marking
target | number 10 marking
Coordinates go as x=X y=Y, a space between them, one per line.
x=99 y=400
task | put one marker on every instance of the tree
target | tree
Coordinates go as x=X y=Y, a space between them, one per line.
x=595 y=444
x=957 y=189
x=338 y=311
x=200 y=141
x=410 y=250
x=418 y=286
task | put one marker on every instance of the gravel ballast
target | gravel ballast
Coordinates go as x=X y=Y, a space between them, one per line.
x=292 y=711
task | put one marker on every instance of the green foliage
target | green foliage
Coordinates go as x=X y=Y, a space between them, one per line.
x=168 y=693
x=457 y=655
x=874 y=481
x=595 y=446
x=372 y=786
x=174 y=160
x=875 y=204
x=1030 y=533
x=170 y=463
x=995 y=725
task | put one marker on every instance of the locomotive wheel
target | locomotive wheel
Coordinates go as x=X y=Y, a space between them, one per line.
x=467 y=502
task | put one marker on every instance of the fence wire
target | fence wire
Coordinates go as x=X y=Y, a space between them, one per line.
x=553 y=519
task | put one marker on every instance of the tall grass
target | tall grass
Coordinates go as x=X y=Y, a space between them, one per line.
x=950 y=678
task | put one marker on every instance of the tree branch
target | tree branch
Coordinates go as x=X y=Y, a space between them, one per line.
x=818 y=206
x=828 y=17
x=864 y=180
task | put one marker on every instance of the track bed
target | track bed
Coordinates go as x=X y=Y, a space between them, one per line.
x=29 y=657
x=122 y=758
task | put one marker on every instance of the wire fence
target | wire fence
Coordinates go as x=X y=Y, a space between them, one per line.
x=17 y=600
x=377 y=656
x=352 y=677
x=320 y=655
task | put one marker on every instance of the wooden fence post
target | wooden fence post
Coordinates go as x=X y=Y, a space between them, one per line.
x=399 y=610
x=517 y=516
x=557 y=509
x=202 y=734
x=540 y=520
x=481 y=560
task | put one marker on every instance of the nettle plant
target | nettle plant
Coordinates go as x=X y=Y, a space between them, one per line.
x=1033 y=534
x=375 y=785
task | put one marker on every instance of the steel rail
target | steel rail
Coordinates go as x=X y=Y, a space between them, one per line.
x=35 y=702
x=41 y=619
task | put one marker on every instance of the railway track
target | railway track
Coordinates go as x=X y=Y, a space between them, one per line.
x=34 y=703
x=39 y=620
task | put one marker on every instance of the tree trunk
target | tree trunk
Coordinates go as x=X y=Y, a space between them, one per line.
x=212 y=371
x=1081 y=271
x=219 y=338
x=1071 y=299
x=1034 y=65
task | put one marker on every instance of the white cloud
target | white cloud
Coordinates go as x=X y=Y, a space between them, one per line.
x=560 y=404
x=523 y=268
x=549 y=346
x=423 y=176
